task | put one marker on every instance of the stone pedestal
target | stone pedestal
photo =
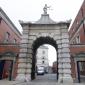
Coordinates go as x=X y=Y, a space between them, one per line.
x=20 y=77
x=67 y=79
x=23 y=77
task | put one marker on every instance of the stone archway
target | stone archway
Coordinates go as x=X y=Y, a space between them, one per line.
x=40 y=41
x=44 y=29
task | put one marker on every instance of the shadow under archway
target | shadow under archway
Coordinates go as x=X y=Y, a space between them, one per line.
x=38 y=42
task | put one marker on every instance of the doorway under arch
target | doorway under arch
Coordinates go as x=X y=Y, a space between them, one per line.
x=7 y=60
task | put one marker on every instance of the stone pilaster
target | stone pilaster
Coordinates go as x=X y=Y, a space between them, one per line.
x=65 y=58
x=22 y=62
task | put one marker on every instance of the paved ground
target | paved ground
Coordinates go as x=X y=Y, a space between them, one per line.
x=48 y=79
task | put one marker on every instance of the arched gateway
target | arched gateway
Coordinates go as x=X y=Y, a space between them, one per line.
x=44 y=31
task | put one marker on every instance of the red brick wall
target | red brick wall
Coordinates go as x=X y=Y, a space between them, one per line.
x=76 y=48
x=5 y=28
x=9 y=47
x=54 y=67
x=77 y=21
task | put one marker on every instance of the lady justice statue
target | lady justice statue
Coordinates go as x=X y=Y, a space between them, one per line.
x=45 y=9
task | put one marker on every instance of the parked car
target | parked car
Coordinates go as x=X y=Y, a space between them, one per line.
x=40 y=71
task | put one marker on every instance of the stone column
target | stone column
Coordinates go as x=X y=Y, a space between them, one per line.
x=65 y=54
x=22 y=62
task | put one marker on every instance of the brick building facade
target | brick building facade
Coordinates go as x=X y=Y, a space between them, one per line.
x=9 y=47
x=55 y=67
x=77 y=44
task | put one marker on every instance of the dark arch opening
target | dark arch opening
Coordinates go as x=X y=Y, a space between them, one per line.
x=37 y=43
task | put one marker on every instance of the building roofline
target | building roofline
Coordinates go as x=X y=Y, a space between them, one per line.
x=76 y=16
x=10 y=21
x=58 y=23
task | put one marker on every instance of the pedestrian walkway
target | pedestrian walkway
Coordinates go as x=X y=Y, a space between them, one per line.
x=34 y=82
x=7 y=82
x=47 y=79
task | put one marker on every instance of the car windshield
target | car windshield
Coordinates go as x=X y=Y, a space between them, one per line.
x=40 y=69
